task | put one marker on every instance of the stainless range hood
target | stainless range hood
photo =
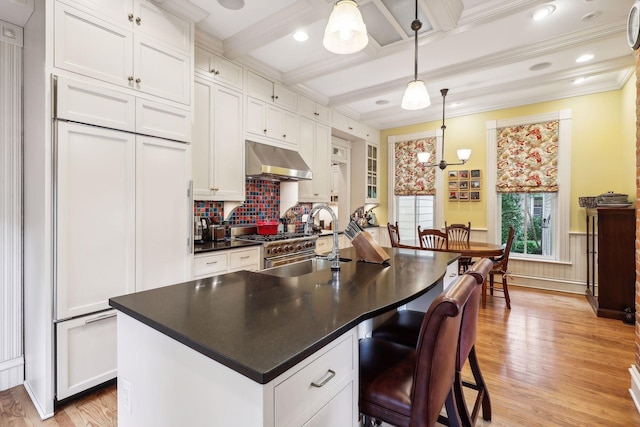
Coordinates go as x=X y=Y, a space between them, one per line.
x=275 y=163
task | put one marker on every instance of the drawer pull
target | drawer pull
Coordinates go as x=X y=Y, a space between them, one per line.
x=244 y=257
x=326 y=380
x=212 y=262
x=99 y=318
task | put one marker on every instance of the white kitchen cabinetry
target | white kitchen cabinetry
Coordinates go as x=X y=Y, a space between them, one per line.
x=266 y=90
x=324 y=244
x=348 y=126
x=269 y=121
x=86 y=352
x=364 y=174
x=314 y=110
x=218 y=143
x=225 y=261
x=164 y=212
x=217 y=68
x=315 y=149
x=127 y=55
x=95 y=246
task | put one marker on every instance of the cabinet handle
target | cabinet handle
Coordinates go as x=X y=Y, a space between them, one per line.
x=276 y=97
x=350 y=128
x=138 y=80
x=130 y=78
x=130 y=16
x=212 y=262
x=215 y=72
x=244 y=257
x=284 y=135
x=264 y=130
x=214 y=189
x=99 y=318
x=326 y=380
x=316 y=114
x=138 y=20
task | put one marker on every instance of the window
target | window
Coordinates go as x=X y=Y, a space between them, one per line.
x=530 y=214
x=414 y=211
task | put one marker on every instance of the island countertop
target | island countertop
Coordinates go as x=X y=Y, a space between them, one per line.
x=260 y=324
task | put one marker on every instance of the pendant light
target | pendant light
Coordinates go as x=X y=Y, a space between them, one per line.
x=463 y=154
x=415 y=96
x=345 y=32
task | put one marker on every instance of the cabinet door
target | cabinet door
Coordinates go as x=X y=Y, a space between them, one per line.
x=259 y=87
x=228 y=145
x=92 y=47
x=115 y=10
x=290 y=128
x=274 y=122
x=227 y=72
x=164 y=224
x=85 y=353
x=162 y=26
x=202 y=143
x=256 y=116
x=161 y=71
x=162 y=120
x=322 y=163
x=285 y=97
x=338 y=412
x=306 y=150
x=95 y=218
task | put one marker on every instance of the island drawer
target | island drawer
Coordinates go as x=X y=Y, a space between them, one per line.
x=247 y=259
x=305 y=392
x=208 y=264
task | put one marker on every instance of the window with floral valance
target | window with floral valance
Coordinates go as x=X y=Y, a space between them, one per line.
x=527 y=158
x=412 y=178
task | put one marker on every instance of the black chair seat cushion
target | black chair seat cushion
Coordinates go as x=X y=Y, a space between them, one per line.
x=386 y=380
x=403 y=328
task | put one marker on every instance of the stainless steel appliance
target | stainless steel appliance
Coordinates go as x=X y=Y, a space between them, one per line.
x=281 y=248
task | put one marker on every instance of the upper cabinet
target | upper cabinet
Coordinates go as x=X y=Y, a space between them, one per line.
x=266 y=90
x=348 y=126
x=364 y=174
x=315 y=149
x=147 y=50
x=267 y=120
x=217 y=68
x=314 y=110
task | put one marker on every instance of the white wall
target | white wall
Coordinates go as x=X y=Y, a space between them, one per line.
x=11 y=351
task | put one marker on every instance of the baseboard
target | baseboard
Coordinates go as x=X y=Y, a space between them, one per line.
x=560 y=285
x=43 y=414
x=11 y=373
x=635 y=386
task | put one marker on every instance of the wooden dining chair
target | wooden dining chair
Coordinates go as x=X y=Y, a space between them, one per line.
x=394 y=235
x=433 y=239
x=407 y=386
x=460 y=233
x=404 y=328
x=500 y=266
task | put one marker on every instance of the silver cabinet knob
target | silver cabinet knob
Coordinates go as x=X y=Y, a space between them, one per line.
x=130 y=16
x=138 y=20
x=138 y=80
x=130 y=78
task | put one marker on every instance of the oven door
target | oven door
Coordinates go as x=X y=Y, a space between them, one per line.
x=288 y=259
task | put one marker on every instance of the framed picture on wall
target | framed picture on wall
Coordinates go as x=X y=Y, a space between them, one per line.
x=475 y=184
x=453 y=195
x=453 y=175
x=463 y=174
x=475 y=196
x=463 y=196
x=475 y=173
x=463 y=185
x=453 y=185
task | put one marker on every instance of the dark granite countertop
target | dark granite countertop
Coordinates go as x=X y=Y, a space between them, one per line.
x=219 y=246
x=260 y=324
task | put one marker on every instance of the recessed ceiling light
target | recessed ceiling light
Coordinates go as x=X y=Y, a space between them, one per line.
x=540 y=66
x=580 y=80
x=232 y=4
x=382 y=102
x=301 y=36
x=454 y=104
x=584 y=58
x=542 y=12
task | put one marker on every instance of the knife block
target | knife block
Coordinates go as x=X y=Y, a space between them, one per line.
x=368 y=249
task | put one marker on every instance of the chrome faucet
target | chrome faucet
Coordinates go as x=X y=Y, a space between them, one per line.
x=334 y=257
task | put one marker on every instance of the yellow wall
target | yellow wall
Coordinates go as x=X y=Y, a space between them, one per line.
x=602 y=150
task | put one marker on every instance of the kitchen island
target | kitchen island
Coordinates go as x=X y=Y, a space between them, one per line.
x=243 y=348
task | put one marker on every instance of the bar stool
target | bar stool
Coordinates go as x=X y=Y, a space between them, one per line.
x=404 y=328
x=407 y=386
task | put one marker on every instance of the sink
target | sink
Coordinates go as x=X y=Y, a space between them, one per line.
x=302 y=267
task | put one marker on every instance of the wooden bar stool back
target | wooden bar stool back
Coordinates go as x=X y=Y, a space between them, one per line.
x=394 y=234
x=406 y=386
x=432 y=239
x=500 y=266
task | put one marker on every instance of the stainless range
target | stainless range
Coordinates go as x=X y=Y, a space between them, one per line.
x=282 y=248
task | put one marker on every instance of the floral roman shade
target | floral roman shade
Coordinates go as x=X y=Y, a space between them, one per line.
x=527 y=158
x=411 y=177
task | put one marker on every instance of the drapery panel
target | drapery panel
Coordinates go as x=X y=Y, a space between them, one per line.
x=412 y=178
x=527 y=158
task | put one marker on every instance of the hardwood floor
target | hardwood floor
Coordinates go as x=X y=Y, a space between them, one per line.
x=547 y=362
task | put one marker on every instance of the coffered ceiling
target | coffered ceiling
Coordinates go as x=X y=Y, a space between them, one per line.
x=489 y=53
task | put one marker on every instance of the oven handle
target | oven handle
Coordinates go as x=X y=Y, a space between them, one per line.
x=288 y=259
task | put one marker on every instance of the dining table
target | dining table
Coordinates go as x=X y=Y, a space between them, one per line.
x=466 y=249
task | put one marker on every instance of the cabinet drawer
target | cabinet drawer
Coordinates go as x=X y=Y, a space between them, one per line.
x=210 y=264
x=86 y=353
x=157 y=119
x=296 y=399
x=324 y=244
x=246 y=258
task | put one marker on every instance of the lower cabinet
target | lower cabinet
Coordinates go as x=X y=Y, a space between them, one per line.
x=85 y=352
x=223 y=261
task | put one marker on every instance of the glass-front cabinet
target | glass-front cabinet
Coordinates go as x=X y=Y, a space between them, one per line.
x=372 y=173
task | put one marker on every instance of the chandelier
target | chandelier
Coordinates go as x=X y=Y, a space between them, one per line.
x=463 y=154
x=415 y=96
